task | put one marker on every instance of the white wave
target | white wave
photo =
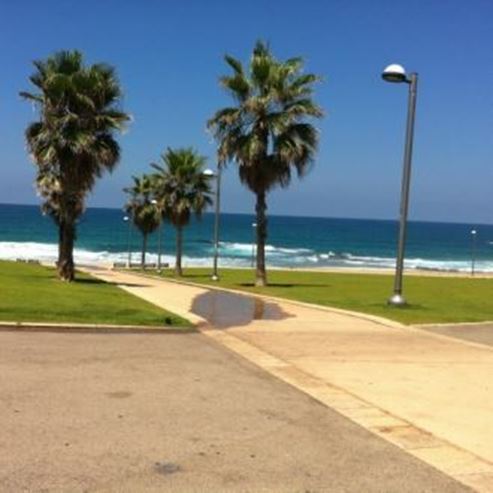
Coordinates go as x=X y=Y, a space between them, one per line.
x=236 y=248
x=416 y=263
x=48 y=252
x=230 y=248
x=328 y=255
x=277 y=257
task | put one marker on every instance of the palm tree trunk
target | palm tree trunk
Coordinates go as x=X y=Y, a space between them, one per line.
x=65 y=264
x=67 y=225
x=261 y=208
x=179 y=250
x=144 y=249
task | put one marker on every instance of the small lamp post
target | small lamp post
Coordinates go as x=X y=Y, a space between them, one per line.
x=473 y=251
x=217 y=204
x=129 y=235
x=396 y=74
x=160 y=234
x=254 y=236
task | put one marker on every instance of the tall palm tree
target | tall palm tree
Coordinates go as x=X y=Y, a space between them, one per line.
x=73 y=142
x=268 y=132
x=142 y=209
x=181 y=189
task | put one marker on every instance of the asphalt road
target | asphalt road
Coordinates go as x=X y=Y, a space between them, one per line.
x=480 y=333
x=177 y=413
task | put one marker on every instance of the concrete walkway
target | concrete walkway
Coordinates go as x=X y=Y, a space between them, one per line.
x=429 y=394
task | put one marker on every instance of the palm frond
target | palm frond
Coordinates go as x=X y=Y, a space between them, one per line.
x=74 y=138
x=234 y=64
x=268 y=131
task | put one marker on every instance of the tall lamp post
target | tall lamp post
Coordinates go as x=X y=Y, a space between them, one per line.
x=159 y=234
x=129 y=235
x=473 y=251
x=217 y=175
x=396 y=74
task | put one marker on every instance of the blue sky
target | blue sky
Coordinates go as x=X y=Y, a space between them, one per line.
x=168 y=55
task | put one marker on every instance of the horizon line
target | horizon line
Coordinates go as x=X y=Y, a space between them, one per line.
x=396 y=220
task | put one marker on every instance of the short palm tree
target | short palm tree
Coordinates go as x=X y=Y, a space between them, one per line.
x=73 y=142
x=181 y=189
x=143 y=209
x=267 y=132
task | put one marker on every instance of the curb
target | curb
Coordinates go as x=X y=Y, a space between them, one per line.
x=195 y=321
x=452 y=324
x=92 y=328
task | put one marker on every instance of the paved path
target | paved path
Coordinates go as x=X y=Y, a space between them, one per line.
x=177 y=413
x=399 y=382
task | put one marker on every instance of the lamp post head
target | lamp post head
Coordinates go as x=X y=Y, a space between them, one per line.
x=394 y=73
x=208 y=172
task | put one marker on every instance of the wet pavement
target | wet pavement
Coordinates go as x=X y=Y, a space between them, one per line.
x=223 y=309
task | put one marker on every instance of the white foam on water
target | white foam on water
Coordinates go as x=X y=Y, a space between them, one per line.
x=239 y=255
x=48 y=252
x=231 y=248
x=416 y=263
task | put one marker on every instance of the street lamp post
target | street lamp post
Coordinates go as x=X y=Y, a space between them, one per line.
x=217 y=214
x=129 y=235
x=159 y=235
x=254 y=236
x=473 y=251
x=159 y=245
x=397 y=74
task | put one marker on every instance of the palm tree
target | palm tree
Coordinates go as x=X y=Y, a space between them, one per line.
x=181 y=189
x=143 y=209
x=72 y=143
x=268 y=131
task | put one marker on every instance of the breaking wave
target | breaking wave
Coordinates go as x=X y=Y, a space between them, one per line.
x=240 y=255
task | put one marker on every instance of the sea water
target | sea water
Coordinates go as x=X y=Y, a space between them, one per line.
x=104 y=236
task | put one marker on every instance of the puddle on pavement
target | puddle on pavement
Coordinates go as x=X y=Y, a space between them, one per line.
x=222 y=309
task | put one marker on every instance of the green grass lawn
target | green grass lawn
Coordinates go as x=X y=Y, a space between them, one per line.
x=32 y=293
x=431 y=299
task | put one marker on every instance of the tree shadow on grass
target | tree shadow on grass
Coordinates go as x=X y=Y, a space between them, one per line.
x=192 y=276
x=88 y=281
x=285 y=285
x=110 y=283
x=396 y=309
x=409 y=307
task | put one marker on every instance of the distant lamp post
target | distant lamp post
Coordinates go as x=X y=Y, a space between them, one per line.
x=254 y=236
x=396 y=74
x=129 y=235
x=159 y=235
x=217 y=204
x=473 y=251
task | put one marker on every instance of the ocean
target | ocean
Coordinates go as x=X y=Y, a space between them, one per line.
x=103 y=236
